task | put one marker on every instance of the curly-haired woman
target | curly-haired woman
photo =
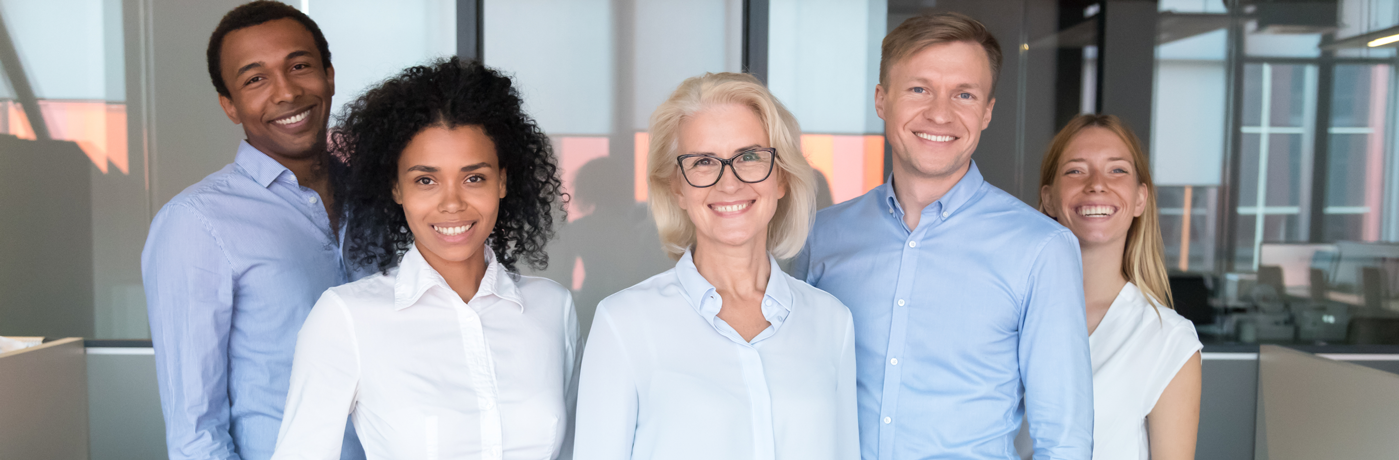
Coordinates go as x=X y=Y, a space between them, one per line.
x=447 y=352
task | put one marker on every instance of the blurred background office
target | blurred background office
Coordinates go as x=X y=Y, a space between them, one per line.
x=1270 y=126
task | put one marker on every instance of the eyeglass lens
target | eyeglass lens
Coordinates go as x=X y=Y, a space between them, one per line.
x=751 y=166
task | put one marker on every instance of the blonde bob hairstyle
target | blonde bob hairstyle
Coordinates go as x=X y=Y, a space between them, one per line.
x=795 y=212
x=1143 y=259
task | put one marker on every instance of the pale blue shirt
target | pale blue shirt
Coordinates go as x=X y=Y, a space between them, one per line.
x=231 y=267
x=665 y=378
x=959 y=321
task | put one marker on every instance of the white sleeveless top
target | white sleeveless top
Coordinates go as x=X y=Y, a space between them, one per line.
x=1135 y=355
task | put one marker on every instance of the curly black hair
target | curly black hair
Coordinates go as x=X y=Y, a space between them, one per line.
x=252 y=14
x=375 y=128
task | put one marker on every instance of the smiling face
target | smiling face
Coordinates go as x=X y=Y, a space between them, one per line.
x=278 y=89
x=1096 y=192
x=935 y=103
x=731 y=212
x=450 y=185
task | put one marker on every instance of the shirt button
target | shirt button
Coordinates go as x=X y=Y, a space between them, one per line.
x=311 y=200
x=901 y=302
x=888 y=420
x=894 y=361
x=912 y=244
x=945 y=214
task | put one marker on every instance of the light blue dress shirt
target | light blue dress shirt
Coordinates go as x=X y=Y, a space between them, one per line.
x=956 y=320
x=665 y=378
x=231 y=268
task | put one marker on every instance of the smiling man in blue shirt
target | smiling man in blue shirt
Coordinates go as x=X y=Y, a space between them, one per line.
x=968 y=304
x=233 y=264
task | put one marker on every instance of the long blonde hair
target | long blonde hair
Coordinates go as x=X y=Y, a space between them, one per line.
x=795 y=212
x=1143 y=258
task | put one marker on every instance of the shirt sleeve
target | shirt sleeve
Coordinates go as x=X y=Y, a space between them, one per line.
x=324 y=381
x=188 y=281
x=572 y=365
x=607 y=396
x=1055 y=365
x=1180 y=343
x=801 y=264
x=848 y=443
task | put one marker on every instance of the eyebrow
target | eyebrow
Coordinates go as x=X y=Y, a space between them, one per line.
x=737 y=150
x=292 y=55
x=1080 y=160
x=433 y=169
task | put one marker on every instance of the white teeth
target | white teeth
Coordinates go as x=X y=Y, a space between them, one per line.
x=731 y=208
x=1095 y=211
x=293 y=119
x=935 y=138
x=452 y=231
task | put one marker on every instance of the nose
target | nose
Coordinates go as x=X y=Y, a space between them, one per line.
x=938 y=111
x=1095 y=183
x=284 y=90
x=451 y=201
x=728 y=180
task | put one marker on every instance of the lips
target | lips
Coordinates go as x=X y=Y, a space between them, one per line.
x=1096 y=210
x=293 y=119
x=935 y=137
x=725 y=208
x=453 y=229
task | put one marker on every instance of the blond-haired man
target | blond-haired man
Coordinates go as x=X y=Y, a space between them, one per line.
x=968 y=304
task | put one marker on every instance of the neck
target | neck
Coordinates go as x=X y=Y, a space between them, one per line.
x=915 y=191
x=1102 y=272
x=463 y=277
x=741 y=270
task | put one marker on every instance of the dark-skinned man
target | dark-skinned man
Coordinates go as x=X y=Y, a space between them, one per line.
x=233 y=264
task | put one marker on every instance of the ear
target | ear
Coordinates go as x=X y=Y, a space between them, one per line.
x=1141 y=200
x=675 y=189
x=782 y=182
x=986 y=118
x=1050 y=208
x=229 y=109
x=397 y=193
x=879 y=95
x=503 y=177
x=330 y=79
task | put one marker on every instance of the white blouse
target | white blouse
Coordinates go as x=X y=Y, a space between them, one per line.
x=664 y=378
x=425 y=375
x=1135 y=356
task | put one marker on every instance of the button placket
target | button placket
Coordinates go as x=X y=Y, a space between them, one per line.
x=482 y=371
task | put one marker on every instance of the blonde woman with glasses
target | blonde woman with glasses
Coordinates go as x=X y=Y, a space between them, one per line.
x=724 y=356
x=1096 y=181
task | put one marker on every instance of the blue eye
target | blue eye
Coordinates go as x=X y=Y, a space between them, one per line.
x=964 y=96
x=919 y=90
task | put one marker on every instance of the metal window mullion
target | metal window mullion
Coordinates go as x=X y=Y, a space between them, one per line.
x=1261 y=199
x=1321 y=148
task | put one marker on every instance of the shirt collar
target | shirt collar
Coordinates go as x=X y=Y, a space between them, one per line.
x=415 y=277
x=949 y=204
x=778 y=292
x=258 y=165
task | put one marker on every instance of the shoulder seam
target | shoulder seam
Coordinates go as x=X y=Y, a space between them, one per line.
x=209 y=227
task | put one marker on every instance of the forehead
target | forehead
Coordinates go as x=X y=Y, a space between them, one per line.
x=267 y=42
x=722 y=124
x=1097 y=143
x=951 y=62
x=440 y=147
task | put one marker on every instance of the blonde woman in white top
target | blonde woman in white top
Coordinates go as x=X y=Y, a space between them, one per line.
x=447 y=352
x=1096 y=181
x=724 y=356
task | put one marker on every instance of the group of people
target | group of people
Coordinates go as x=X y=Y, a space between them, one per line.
x=354 y=292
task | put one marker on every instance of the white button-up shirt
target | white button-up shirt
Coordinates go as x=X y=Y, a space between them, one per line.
x=425 y=375
x=664 y=378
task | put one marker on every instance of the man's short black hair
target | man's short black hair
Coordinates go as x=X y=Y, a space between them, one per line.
x=251 y=14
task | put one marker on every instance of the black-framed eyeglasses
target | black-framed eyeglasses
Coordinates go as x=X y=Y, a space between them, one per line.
x=750 y=166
